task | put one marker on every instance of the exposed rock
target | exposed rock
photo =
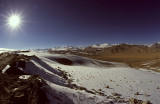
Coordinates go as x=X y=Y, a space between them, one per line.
x=116 y=94
x=19 y=91
x=137 y=93
x=136 y=101
x=16 y=87
x=82 y=88
x=107 y=87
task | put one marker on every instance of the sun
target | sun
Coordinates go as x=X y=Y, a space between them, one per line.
x=14 y=21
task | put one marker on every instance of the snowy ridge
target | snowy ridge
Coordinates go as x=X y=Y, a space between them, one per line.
x=57 y=88
x=105 y=45
x=6 y=50
x=119 y=78
x=158 y=42
x=65 y=48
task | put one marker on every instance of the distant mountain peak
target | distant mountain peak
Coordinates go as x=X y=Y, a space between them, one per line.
x=156 y=45
x=104 y=45
x=64 y=48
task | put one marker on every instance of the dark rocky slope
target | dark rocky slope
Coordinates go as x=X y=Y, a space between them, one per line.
x=16 y=90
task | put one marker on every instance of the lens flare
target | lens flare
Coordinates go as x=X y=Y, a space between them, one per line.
x=14 y=21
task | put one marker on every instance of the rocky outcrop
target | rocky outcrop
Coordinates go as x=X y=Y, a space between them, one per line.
x=15 y=90
x=16 y=86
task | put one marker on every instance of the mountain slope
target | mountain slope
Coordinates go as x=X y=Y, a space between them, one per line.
x=93 y=83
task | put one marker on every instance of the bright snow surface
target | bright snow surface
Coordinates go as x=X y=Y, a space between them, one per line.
x=120 y=78
x=105 y=45
x=6 y=50
x=5 y=69
x=24 y=76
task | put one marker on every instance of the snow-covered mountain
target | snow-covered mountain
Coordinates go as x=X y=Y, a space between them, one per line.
x=92 y=81
x=6 y=50
x=75 y=79
x=65 y=48
x=156 y=45
x=105 y=45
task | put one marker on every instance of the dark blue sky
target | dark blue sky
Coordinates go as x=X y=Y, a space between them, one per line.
x=52 y=23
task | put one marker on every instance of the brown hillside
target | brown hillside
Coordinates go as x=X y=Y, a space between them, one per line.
x=133 y=55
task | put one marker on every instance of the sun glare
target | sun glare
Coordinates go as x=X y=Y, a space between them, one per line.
x=14 y=21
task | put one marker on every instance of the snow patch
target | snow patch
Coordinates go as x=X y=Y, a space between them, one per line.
x=105 y=45
x=65 y=48
x=24 y=76
x=6 y=68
